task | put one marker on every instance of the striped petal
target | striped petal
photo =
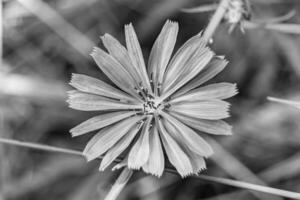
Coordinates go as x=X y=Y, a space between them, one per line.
x=120 y=53
x=161 y=52
x=187 y=136
x=90 y=102
x=118 y=148
x=215 y=127
x=197 y=160
x=114 y=71
x=181 y=57
x=139 y=153
x=177 y=157
x=99 y=122
x=213 y=91
x=187 y=70
x=107 y=137
x=216 y=65
x=156 y=162
x=136 y=55
x=95 y=86
x=213 y=109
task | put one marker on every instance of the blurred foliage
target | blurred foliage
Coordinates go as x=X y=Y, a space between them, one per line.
x=45 y=41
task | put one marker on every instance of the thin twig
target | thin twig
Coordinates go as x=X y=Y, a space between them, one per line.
x=216 y=19
x=42 y=147
x=200 y=9
x=230 y=182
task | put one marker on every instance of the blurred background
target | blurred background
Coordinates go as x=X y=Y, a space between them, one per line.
x=45 y=41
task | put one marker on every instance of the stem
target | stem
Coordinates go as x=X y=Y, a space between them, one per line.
x=119 y=184
x=215 y=20
x=224 y=181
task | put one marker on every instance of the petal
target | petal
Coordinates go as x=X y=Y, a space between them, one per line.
x=136 y=55
x=139 y=153
x=187 y=136
x=177 y=157
x=108 y=137
x=161 y=52
x=99 y=122
x=120 y=53
x=117 y=149
x=216 y=127
x=114 y=71
x=95 y=86
x=216 y=65
x=213 y=109
x=187 y=70
x=197 y=160
x=156 y=162
x=90 y=102
x=213 y=91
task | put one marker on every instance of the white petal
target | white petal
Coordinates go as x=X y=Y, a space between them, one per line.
x=216 y=127
x=118 y=148
x=90 y=102
x=139 y=153
x=213 y=91
x=213 y=109
x=95 y=86
x=161 y=52
x=120 y=53
x=99 y=122
x=182 y=56
x=114 y=71
x=188 y=70
x=216 y=65
x=156 y=162
x=136 y=55
x=108 y=137
x=176 y=155
x=187 y=136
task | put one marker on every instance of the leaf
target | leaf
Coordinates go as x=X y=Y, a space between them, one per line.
x=99 y=122
x=187 y=70
x=161 y=52
x=187 y=136
x=90 y=102
x=120 y=53
x=212 y=91
x=114 y=71
x=216 y=127
x=156 y=162
x=117 y=149
x=176 y=155
x=216 y=65
x=95 y=86
x=139 y=153
x=213 y=109
x=108 y=137
x=136 y=55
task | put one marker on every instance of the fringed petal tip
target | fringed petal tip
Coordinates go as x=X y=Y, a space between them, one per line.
x=94 y=51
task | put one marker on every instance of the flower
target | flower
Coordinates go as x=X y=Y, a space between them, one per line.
x=154 y=109
x=237 y=12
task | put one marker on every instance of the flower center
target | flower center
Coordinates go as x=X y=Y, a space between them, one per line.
x=151 y=105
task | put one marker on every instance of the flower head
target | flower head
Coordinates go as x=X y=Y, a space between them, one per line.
x=156 y=109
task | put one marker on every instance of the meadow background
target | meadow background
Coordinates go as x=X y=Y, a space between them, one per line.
x=44 y=42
